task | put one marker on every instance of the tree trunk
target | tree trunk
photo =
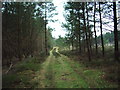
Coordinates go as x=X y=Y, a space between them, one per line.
x=83 y=41
x=6 y=27
x=116 y=50
x=19 y=51
x=101 y=31
x=31 y=33
x=96 y=46
x=80 y=42
x=88 y=51
x=46 y=50
x=72 y=39
x=79 y=35
x=72 y=33
x=89 y=36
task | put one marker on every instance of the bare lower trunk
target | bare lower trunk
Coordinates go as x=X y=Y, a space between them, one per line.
x=96 y=46
x=46 y=50
x=79 y=37
x=88 y=29
x=19 y=51
x=88 y=50
x=116 y=50
x=101 y=31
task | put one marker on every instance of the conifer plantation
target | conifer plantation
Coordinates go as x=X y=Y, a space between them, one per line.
x=87 y=56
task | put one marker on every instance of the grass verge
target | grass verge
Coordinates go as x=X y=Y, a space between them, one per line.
x=100 y=70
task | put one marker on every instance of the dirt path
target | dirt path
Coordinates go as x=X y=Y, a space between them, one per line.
x=58 y=71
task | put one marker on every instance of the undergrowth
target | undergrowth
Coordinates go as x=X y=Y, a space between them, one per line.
x=22 y=73
x=105 y=64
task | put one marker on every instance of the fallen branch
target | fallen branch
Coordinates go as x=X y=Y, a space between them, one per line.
x=9 y=68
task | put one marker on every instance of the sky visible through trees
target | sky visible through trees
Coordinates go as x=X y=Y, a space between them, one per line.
x=62 y=31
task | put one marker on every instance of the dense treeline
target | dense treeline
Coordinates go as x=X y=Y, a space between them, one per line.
x=108 y=38
x=83 y=21
x=24 y=30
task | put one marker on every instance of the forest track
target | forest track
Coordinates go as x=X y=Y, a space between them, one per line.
x=58 y=71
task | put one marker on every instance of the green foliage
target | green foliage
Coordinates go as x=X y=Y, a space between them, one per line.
x=108 y=38
x=75 y=25
x=61 y=41
x=23 y=27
